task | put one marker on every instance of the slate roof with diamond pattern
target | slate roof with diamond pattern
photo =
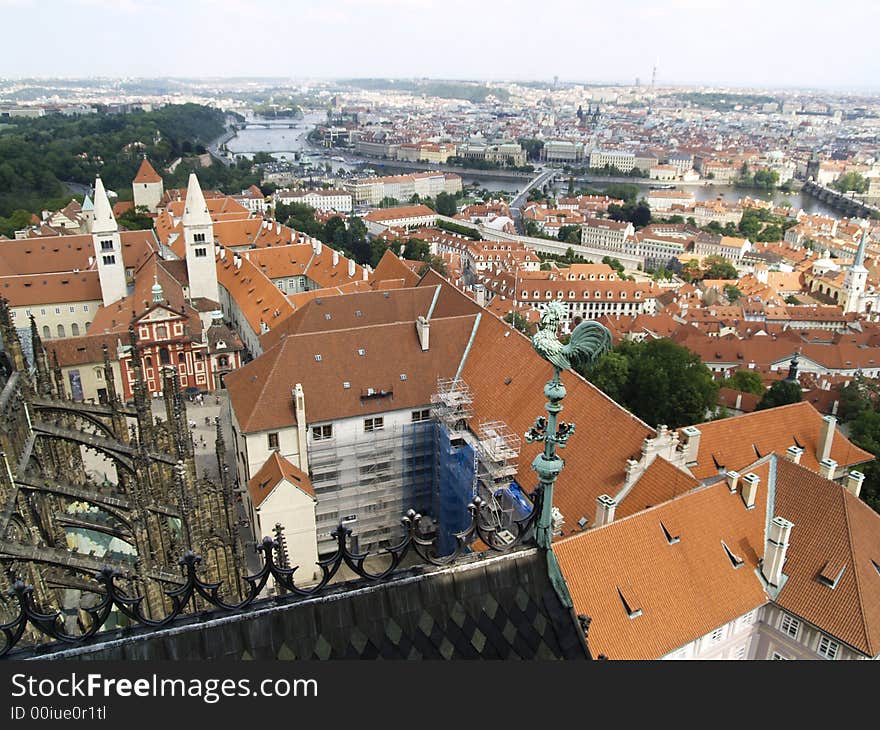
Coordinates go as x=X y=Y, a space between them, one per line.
x=485 y=606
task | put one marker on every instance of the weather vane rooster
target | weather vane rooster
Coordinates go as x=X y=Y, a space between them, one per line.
x=587 y=342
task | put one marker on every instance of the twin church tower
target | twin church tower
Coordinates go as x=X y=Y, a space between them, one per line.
x=198 y=233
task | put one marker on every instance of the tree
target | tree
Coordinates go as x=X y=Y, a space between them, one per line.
x=850 y=181
x=792 y=299
x=436 y=263
x=569 y=234
x=16 y=221
x=388 y=202
x=781 y=393
x=519 y=323
x=417 y=250
x=446 y=204
x=658 y=380
x=719 y=268
x=732 y=293
x=747 y=381
x=136 y=219
x=865 y=433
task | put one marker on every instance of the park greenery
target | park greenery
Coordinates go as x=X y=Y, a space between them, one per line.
x=38 y=157
x=723 y=102
x=681 y=387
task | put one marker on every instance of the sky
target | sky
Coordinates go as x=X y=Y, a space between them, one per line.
x=732 y=43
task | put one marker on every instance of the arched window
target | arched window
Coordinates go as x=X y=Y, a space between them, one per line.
x=164 y=356
x=46 y=332
x=74 y=329
x=223 y=361
x=61 y=330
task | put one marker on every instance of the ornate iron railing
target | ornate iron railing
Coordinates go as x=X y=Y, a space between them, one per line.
x=113 y=597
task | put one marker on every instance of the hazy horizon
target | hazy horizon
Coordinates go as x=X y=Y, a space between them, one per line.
x=744 y=44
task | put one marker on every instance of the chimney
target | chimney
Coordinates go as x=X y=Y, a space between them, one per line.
x=826 y=436
x=351 y=268
x=732 y=480
x=366 y=274
x=691 y=444
x=605 y=507
x=335 y=259
x=480 y=294
x=827 y=467
x=775 y=549
x=794 y=453
x=853 y=482
x=750 y=489
x=423 y=329
x=631 y=470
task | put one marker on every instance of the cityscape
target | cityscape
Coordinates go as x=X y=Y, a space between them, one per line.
x=312 y=365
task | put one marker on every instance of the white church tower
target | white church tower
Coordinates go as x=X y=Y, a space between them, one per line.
x=108 y=248
x=198 y=235
x=147 y=187
x=856 y=279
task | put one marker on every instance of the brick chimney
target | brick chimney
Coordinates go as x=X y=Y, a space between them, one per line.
x=794 y=454
x=854 y=482
x=605 y=507
x=423 y=329
x=826 y=436
x=750 y=484
x=827 y=467
x=351 y=268
x=775 y=549
x=691 y=446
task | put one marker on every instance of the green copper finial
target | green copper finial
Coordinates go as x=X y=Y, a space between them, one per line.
x=587 y=343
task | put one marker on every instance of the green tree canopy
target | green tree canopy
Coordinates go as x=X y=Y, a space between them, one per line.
x=732 y=293
x=747 y=381
x=719 y=268
x=850 y=181
x=446 y=204
x=658 y=380
x=781 y=393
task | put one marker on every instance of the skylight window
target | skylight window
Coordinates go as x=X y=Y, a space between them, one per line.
x=670 y=538
x=318 y=358
x=630 y=602
x=735 y=560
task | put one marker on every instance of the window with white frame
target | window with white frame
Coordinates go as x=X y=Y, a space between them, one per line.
x=828 y=648
x=716 y=635
x=273 y=441
x=776 y=656
x=374 y=424
x=322 y=433
x=421 y=415
x=790 y=626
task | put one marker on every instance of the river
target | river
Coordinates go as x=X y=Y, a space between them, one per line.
x=283 y=143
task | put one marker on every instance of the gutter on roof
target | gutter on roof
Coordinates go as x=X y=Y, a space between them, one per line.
x=434 y=302
x=467 y=348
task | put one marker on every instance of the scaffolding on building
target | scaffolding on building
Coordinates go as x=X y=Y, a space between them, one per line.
x=498 y=454
x=452 y=405
x=470 y=463
x=369 y=481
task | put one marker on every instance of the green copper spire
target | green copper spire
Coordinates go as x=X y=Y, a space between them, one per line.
x=587 y=343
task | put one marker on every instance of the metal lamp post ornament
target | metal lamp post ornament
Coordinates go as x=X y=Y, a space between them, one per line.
x=587 y=343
